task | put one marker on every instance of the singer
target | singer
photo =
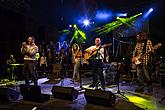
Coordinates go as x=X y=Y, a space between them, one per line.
x=29 y=51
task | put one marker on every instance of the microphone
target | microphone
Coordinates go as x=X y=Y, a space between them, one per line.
x=23 y=44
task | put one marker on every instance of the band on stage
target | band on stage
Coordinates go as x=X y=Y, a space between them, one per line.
x=72 y=58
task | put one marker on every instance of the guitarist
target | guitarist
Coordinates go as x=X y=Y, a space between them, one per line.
x=96 y=61
x=143 y=46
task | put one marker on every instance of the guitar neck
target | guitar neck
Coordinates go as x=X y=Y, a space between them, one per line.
x=154 y=48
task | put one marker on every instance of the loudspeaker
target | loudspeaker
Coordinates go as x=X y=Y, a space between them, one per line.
x=33 y=93
x=9 y=95
x=99 y=97
x=68 y=93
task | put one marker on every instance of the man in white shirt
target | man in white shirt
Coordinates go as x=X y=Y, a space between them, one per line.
x=95 y=58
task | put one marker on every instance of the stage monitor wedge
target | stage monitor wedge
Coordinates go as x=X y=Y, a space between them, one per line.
x=8 y=95
x=68 y=93
x=33 y=93
x=100 y=97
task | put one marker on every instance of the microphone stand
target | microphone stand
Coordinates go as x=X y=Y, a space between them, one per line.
x=81 y=88
x=118 y=79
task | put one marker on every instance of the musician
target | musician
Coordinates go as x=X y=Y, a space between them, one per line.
x=143 y=49
x=11 y=60
x=43 y=63
x=29 y=51
x=76 y=60
x=96 y=61
x=63 y=63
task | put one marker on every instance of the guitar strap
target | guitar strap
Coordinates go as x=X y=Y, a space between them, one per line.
x=97 y=54
x=144 y=47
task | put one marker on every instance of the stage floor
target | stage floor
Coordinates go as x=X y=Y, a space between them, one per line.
x=130 y=101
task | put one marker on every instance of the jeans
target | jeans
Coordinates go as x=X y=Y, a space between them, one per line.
x=29 y=69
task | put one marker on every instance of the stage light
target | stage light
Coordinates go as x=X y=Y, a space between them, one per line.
x=148 y=12
x=115 y=24
x=122 y=14
x=86 y=22
x=75 y=26
x=117 y=17
x=151 y=9
x=125 y=14
x=103 y=15
x=70 y=25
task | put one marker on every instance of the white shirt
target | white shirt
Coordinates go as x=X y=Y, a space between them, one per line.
x=100 y=54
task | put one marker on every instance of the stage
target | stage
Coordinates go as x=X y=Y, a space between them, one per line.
x=131 y=101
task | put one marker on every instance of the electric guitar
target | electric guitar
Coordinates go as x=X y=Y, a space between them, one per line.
x=138 y=59
x=88 y=55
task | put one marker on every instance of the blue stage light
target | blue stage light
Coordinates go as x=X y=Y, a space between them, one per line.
x=148 y=12
x=151 y=9
x=70 y=25
x=86 y=22
x=103 y=15
x=121 y=14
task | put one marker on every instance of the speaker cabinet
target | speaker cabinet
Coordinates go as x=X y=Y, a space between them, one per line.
x=33 y=93
x=99 y=97
x=68 y=93
x=9 y=95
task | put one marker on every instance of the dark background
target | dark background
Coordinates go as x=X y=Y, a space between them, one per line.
x=46 y=18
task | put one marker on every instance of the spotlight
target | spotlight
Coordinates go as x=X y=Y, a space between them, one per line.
x=103 y=15
x=121 y=14
x=117 y=17
x=75 y=26
x=70 y=25
x=125 y=14
x=151 y=9
x=86 y=22
x=148 y=12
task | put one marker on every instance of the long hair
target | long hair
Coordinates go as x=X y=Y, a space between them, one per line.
x=77 y=47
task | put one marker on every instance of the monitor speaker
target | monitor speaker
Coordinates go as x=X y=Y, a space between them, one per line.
x=33 y=93
x=99 y=97
x=9 y=95
x=68 y=93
